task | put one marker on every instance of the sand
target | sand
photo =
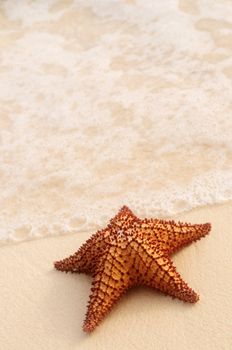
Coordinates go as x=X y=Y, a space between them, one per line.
x=106 y=103
x=44 y=309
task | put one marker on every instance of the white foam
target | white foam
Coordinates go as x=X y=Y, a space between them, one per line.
x=105 y=104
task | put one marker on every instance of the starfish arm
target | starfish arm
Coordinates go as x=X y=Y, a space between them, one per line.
x=109 y=284
x=124 y=218
x=85 y=259
x=166 y=279
x=172 y=236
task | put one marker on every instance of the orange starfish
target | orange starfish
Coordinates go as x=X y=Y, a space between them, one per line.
x=130 y=252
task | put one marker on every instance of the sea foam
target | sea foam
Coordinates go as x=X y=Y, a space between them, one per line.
x=111 y=103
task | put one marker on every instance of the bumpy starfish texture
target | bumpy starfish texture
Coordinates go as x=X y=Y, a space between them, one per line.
x=130 y=252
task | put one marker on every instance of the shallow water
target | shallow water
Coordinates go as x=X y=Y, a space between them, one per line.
x=110 y=103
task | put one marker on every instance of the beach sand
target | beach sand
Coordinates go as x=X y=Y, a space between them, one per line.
x=106 y=103
x=44 y=309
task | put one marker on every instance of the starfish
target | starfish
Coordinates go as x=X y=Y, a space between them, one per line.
x=131 y=252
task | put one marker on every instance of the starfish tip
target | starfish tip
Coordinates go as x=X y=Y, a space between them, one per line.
x=59 y=265
x=56 y=265
x=88 y=328
x=206 y=228
x=124 y=208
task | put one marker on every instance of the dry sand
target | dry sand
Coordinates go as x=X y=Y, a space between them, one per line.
x=44 y=309
x=105 y=103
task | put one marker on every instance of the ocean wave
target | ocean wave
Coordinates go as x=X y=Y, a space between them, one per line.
x=111 y=103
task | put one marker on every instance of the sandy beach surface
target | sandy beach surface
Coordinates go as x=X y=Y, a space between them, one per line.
x=44 y=309
x=103 y=104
